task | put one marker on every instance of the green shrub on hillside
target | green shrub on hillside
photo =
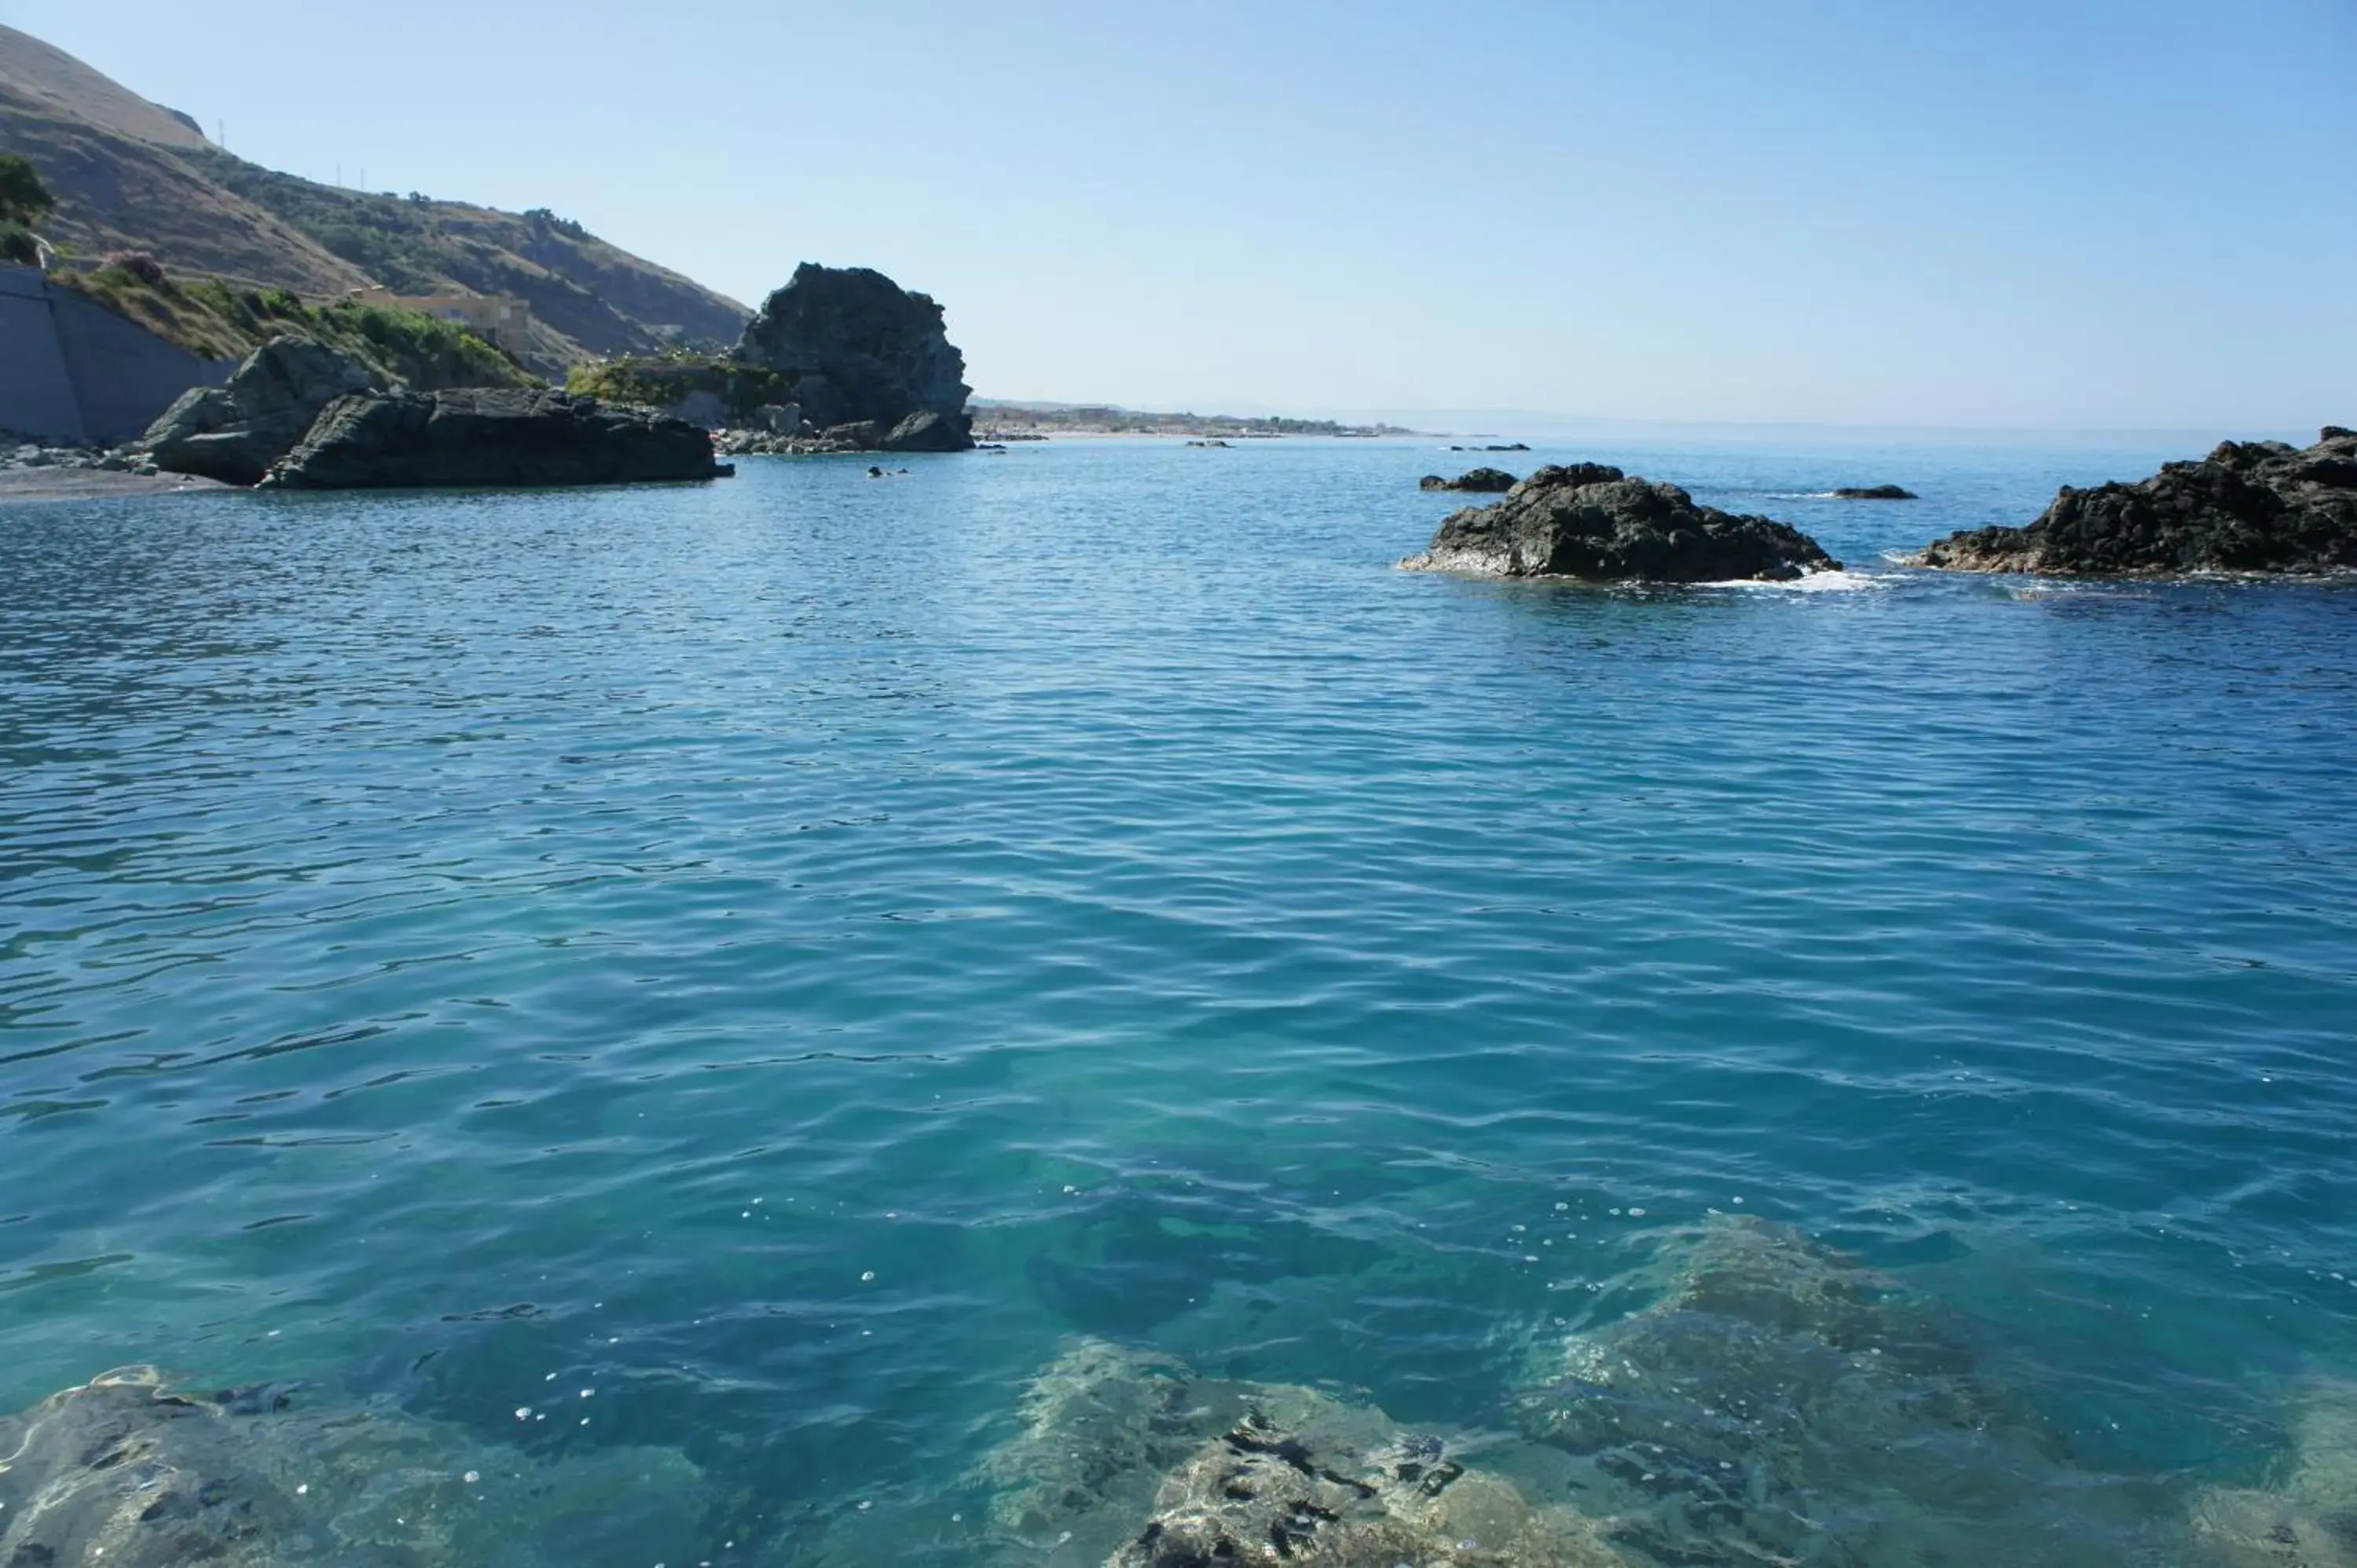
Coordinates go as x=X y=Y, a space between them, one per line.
x=24 y=199
x=206 y=317
x=662 y=382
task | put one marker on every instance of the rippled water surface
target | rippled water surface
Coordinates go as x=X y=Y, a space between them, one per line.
x=754 y=969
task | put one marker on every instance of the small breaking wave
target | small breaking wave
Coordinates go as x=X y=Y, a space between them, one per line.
x=1843 y=582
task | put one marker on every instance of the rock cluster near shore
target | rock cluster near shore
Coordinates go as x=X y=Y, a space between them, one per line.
x=2256 y=507
x=1481 y=481
x=491 y=437
x=1594 y=522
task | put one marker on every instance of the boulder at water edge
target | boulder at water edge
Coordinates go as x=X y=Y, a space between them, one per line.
x=482 y=436
x=236 y=431
x=2249 y=506
x=1594 y=522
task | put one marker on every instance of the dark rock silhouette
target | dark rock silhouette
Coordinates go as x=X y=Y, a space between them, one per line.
x=1594 y=522
x=1875 y=493
x=1482 y=481
x=2257 y=506
x=860 y=351
x=492 y=437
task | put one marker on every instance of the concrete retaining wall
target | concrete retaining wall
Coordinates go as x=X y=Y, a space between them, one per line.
x=36 y=393
x=124 y=375
x=73 y=370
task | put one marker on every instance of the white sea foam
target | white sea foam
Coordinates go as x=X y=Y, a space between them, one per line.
x=1817 y=583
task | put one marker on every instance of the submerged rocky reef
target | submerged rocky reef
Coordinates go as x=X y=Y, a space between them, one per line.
x=2249 y=507
x=1594 y=522
x=1778 y=1402
x=127 y=1472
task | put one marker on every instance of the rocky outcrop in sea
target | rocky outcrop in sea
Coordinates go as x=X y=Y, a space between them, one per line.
x=865 y=360
x=492 y=437
x=1594 y=522
x=1480 y=481
x=1875 y=493
x=234 y=432
x=2249 y=507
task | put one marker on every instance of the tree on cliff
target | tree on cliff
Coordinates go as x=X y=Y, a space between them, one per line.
x=24 y=200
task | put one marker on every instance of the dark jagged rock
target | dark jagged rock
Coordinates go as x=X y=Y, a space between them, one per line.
x=1481 y=481
x=492 y=437
x=234 y=432
x=1594 y=522
x=1875 y=493
x=2260 y=506
x=859 y=349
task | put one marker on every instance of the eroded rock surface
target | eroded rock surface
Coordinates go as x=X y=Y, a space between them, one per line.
x=492 y=437
x=1308 y=1481
x=1137 y=1463
x=234 y=432
x=1594 y=522
x=2259 y=506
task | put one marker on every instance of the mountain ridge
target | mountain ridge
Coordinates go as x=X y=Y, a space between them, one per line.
x=131 y=175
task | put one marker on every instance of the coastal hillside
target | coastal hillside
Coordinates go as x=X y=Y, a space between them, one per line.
x=131 y=175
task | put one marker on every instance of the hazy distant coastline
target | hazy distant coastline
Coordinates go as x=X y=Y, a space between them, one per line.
x=996 y=420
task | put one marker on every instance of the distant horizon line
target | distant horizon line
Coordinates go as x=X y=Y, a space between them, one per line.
x=1541 y=420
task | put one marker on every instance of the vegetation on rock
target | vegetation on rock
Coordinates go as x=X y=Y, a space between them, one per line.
x=667 y=380
x=211 y=318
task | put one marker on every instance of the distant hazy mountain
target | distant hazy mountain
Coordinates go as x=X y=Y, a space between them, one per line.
x=131 y=175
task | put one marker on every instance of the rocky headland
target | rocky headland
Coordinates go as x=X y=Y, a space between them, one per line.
x=1480 y=481
x=1594 y=524
x=840 y=360
x=2249 y=507
x=492 y=437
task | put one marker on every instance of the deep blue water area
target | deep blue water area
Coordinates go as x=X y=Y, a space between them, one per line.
x=787 y=955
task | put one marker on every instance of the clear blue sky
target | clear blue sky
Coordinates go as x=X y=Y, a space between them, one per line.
x=2063 y=213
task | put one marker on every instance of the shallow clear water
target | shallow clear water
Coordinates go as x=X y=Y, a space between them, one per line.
x=784 y=955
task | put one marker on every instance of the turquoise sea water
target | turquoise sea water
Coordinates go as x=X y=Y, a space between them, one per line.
x=784 y=956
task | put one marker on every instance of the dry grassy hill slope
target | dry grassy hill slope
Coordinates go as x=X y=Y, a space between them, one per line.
x=131 y=175
x=49 y=76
